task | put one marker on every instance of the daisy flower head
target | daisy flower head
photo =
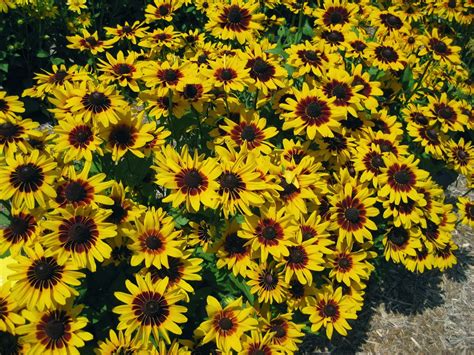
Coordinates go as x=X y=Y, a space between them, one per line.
x=155 y=240
x=236 y=19
x=311 y=112
x=192 y=179
x=331 y=310
x=150 y=308
x=226 y=325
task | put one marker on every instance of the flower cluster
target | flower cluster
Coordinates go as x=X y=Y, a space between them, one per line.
x=225 y=175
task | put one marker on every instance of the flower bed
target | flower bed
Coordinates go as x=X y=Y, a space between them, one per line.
x=223 y=176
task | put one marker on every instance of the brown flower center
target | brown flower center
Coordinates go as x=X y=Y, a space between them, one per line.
x=153 y=242
x=225 y=323
x=55 y=329
x=352 y=214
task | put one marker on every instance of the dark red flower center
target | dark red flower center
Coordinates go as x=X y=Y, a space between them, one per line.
x=55 y=329
x=227 y=74
x=225 y=323
x=359 y=46
x=398 y=236
x=44 y=273
x=386 y=54
x=122 y=135
x=333 y=37
x=446 y=112
x=377 y=161
x=230 y=181
x=27 y=177
x=164 y=10
x=344 y=263
x=44 y=270
x=91 y=41
x=58 y=77
x=18 y=226
x=190 y=91
x=352 y=215
x=8 y=131
x=123 y=69
x=75 y=192
x=234 y=245
x=96 y=102
x=235 y=15
x=153 y=242
x=391 y=21
x=248 y=133
x=335 y=15
x=192 y=179
x=260 y=69
x=79 y=232
x=150 y=308
x=402 y=177
x=297 y=255
x=330 y=310
x=279 y=327
x=80 y=136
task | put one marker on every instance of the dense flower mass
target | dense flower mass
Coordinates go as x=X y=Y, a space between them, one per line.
x=225 y=176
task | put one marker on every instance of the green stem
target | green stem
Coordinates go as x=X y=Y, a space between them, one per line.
x=256 y=100
x=300 y=23
x=419 y=81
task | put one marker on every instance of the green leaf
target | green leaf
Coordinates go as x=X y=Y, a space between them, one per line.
x=307 y=30
x=239 y=218
x=181 y=220
x=4 y=219
x=57 y=61
x=42 y=54
x=407 y=78
x=4 y=67
x=242 y=286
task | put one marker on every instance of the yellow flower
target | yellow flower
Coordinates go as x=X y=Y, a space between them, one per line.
x=55 y=331
x=235 y=20
x=312 y=112
x=9 y=106
x=226 y=325
x=26 y=179
x=155 y=240
x=78 y=234
x=121 y=69
x=89 y=42
x=192 y=179
x=150 y=308
x=40 y=281
x=331 y=310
